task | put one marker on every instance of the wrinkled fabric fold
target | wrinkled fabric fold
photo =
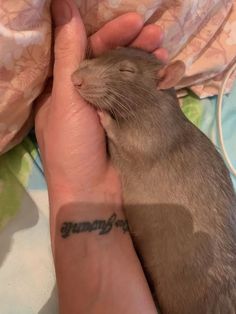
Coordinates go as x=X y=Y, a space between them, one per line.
x=201 y=33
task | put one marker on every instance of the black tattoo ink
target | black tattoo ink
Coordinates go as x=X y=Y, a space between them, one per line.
x=108 y=225
x=66 y=228
x=122 y=224
x=104 y=226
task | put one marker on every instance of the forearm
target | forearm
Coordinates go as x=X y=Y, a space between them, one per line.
x=96 y=266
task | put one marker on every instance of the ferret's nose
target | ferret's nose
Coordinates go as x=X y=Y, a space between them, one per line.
x=77 y=79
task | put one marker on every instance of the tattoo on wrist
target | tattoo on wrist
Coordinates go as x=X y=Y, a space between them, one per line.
x=103 y=226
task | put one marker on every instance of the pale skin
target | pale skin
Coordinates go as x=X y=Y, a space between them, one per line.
x=95 y=274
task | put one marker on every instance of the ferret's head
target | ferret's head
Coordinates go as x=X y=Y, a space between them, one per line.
x=124 y=78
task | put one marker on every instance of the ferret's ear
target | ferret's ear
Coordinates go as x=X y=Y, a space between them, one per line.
x=170 y=75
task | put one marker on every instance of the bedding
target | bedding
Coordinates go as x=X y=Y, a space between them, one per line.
x=199 y=32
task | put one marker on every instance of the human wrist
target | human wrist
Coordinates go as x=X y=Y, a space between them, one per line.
x=68 y=203
x=104 y=189
x=91 y=250
x=97 y=263
x=62 y=196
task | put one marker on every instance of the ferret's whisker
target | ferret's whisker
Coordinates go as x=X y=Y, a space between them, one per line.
x=112 y=110
x=116 y=102
x=120 y=105
x=125 y=106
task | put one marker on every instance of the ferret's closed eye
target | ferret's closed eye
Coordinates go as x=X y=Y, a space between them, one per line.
x=126 y=69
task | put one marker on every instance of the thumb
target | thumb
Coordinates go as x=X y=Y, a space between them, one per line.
x=70 y=39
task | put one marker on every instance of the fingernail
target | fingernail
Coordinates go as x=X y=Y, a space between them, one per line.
x=61 y=12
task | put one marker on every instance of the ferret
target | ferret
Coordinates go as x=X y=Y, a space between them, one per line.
x=177 y=192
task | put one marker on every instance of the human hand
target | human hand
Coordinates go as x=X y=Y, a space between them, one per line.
x=70 y=137
x=73 y=150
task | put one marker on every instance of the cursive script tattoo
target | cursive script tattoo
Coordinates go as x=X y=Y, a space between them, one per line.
x=104 y=226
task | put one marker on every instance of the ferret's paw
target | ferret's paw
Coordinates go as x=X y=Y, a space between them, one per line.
x=105 y=119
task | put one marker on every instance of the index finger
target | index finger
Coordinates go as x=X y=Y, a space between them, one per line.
x=118 y=32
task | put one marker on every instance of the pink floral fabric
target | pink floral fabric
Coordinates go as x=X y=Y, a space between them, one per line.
x=25 y=48
x=202 y=33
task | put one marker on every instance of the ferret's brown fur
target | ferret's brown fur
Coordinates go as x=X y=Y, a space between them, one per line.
x=178 y=195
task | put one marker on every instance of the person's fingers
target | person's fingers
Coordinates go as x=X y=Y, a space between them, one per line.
x=118 y=32
x=161 y=54
x=149 y=39
x=70 y=39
